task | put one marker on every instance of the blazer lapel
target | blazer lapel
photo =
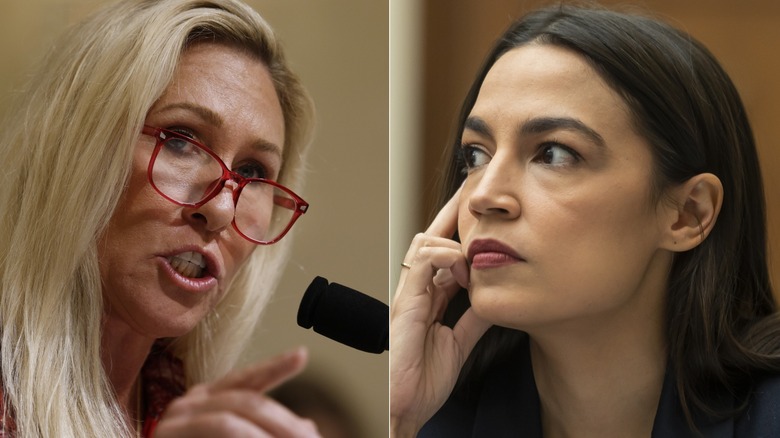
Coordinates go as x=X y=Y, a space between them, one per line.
x=670 y=420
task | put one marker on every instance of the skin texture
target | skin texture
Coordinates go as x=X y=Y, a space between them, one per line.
x=572 y=201
x=580 y=219
x=211 y=80
x=561 y=238
x=427 y=356
x=226 y=100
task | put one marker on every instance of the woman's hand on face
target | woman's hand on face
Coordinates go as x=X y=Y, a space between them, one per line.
x=236 y=405
x=426 y=356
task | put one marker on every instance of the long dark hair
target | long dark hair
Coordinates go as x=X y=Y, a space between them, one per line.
x=722 y=330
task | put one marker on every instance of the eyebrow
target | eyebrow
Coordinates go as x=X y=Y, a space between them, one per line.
x=206 y=114
x=216 y=120
x=540 y=125
x=261 y=145
x=478 y=125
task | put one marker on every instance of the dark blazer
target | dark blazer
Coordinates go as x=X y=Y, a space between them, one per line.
x=506 y=404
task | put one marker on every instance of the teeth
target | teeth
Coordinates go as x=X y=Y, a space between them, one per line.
x=189 y=264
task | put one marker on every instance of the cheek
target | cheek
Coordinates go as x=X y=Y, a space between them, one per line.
x=601 y=211
x=139 y=210
x=599 y=243
x=134 y=224
x=236 y=253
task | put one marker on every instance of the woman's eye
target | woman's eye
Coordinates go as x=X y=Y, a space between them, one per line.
x=178 y=144
x=474 y=156
x=184 y=132
x=251 y=170
x=555 y=154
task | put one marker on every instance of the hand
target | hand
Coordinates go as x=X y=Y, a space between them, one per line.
x=426 y=356
x=236 y=406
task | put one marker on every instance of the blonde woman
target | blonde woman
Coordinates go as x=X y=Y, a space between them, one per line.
x=150 y=171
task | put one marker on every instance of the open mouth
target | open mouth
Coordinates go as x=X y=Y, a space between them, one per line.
x=189 y=264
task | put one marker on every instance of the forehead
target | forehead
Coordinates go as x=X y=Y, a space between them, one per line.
x=235 y=87
x=549 y=80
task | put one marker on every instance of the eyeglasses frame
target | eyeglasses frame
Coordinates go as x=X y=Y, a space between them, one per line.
x=298 y=206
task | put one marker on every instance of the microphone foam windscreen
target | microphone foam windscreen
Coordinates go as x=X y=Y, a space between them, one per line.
x=345 y=315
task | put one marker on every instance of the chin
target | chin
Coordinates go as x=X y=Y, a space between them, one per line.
x=492 y=304
x=173 y=331
x=173 y=324
x=511 y=308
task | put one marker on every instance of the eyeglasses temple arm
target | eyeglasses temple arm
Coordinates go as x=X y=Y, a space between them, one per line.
x=287 y=203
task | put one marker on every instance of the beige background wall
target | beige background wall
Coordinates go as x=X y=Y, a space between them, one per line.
x=339 y=48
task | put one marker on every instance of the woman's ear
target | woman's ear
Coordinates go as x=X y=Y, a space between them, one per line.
x=694 y=209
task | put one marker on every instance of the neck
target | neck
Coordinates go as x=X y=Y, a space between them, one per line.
x=123 y=352
x=600 y=392
x=603 y=377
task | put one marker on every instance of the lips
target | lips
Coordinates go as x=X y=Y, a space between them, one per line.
x=189 y=264
x=192 y=268
x=193 y=262
x=489 y=253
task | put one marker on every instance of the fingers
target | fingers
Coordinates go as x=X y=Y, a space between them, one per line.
x=237 y=412
x=427 y=356
x=435 y=270
x=207 y=426
x=468 y=330
x=237 y=406
x=446 y=285
x=266 y=375
x=446 y=221
x=432 y=259
x=443 y=226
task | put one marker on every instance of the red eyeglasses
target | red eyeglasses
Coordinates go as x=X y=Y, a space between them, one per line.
x=189 y=174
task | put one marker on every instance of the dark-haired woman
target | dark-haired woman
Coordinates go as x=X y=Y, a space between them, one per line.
x=607 y=198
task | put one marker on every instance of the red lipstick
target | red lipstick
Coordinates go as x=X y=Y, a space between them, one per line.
x=489 y=253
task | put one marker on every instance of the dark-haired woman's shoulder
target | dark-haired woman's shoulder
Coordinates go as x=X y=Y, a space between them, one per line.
x=762 y=416
x=501 y=402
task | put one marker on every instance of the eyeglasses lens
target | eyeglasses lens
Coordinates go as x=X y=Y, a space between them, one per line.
x=187 y=174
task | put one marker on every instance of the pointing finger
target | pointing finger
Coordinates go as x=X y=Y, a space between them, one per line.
x=266 y=375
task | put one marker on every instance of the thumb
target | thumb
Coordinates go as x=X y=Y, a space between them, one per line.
x=468 y=330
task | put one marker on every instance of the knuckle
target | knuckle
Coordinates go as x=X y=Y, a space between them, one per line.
x=255 y=400
x=225 y=422
x=442 y=278
x=419 y=239
x=426 y=252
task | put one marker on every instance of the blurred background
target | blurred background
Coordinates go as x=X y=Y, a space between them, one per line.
x=437 y=46
x=339 y=48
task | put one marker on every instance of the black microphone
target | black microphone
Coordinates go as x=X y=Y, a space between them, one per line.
x=345 y=315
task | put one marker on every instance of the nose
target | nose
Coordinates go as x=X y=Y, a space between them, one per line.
x=495 y=189
x=216 y=214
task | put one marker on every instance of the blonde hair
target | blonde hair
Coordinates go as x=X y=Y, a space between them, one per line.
x=68 y=152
